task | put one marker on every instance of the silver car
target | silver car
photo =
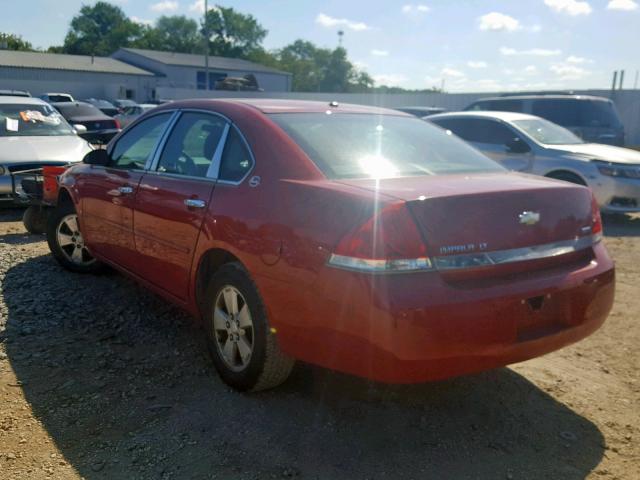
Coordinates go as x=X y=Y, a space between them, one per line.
x=531 y=144
x=33 y=134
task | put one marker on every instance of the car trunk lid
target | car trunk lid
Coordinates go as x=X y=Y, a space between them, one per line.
x=466 y=214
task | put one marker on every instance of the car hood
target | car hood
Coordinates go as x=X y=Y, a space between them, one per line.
x=598 y=151
x=69 y=148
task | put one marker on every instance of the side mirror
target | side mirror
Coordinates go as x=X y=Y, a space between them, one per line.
x=517 y=145
x=80 y=128
x=97 y=157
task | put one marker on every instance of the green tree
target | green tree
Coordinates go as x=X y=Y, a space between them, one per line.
x=175 y=33
x=9 y=41
x=100 y=29
x=231 y=33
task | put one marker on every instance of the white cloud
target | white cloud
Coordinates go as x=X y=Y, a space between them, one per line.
x=450 y=72
x=411 y=8
x=390 y=79
x=379 y=53
x=143 y=21
x=476 y=64
x=626 y=5
x=571 y=7
x=165 y=6
x=498 y=22
x=536 y=52
x=198 y=6
x=531 y=69
x=569 y=72
x=330 y=22
x=578 y=60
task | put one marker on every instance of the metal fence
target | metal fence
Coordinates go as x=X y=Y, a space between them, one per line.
x=627 y=101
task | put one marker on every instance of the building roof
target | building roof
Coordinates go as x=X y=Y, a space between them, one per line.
x=192 y=60
x=57 y=61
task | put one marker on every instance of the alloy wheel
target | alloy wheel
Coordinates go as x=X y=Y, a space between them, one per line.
x=71 y=242
x=233 y=328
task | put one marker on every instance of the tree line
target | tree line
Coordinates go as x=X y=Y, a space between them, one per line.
x=102 y=28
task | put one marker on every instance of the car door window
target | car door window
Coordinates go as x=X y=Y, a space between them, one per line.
x=236 y=158
x=136 y=145
x=192 y=144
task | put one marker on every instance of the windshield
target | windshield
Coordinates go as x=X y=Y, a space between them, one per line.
x=547 y=133
x=380 y=146
x=24 y=120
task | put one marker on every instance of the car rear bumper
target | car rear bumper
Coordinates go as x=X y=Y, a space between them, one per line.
x=410 y=328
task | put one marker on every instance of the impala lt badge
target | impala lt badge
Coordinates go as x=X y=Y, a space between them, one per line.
x=529 y=218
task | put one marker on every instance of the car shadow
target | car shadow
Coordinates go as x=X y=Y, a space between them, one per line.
x=621 y=225
x=121 y=381
x=11 y=214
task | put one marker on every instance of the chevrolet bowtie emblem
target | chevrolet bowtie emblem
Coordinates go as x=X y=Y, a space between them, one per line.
x=529 y=218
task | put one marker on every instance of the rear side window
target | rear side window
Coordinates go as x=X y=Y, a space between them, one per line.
x=192 y=144
x=380 y=146
x=577 y=112
x=236 y=158
x=478 y=130
x=136 y=145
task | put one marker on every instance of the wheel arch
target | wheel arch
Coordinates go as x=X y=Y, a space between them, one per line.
x=558 y=172
x=209 y=263
x=64 y=196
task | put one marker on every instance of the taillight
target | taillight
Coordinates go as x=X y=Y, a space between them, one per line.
x=387 y=242
x=117 y=123
x=596 y=219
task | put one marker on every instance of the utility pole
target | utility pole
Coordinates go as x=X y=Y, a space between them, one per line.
x=615 y=78
x=206 y=46
x=340 y=35
x=635 y=83
x=621 y=79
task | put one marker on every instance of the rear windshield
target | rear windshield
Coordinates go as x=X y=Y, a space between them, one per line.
x=577 y=112
x=547 y=133
x=32 y=120
x=59 y=98
x=79 y=110
x=380 y=146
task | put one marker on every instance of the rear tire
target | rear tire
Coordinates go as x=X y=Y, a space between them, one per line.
x=567 y=177
x=66 y=242
x=243 y=347
x=35 y=220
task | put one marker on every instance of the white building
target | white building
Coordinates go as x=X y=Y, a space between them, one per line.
x=80 y=75
x=184 y=71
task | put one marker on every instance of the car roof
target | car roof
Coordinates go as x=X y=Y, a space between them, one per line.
x=270 y=105
x=21 y=100
x=58 y=93
x=544 y=97
x=505 y=116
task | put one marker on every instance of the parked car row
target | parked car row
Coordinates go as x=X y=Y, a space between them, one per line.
x=235 y=209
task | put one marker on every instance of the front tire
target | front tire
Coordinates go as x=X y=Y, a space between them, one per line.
x=35 y=220
x=243 y=347
x=66 y=242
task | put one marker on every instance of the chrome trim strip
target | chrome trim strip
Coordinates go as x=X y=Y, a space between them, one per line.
x=214 y=166
x=154 y=158
x=501 y=257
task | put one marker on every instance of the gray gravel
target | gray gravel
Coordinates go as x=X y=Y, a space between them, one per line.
x=121 y=381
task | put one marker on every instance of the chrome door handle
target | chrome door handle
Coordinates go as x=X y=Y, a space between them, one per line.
x=194 y=203
x=125 y=190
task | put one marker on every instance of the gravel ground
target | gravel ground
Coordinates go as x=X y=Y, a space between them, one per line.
x=100 y=379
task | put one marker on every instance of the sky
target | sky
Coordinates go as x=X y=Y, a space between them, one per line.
x=467 y=45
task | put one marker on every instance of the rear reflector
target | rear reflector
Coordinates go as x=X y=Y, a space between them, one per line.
x=387 y=242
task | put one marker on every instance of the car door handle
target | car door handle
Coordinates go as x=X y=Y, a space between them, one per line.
x=125 y=190
x=194 y=203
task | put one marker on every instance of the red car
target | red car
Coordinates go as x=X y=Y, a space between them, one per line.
x=360 y=239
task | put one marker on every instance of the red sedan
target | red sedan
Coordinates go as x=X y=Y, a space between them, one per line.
x=360 y=239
